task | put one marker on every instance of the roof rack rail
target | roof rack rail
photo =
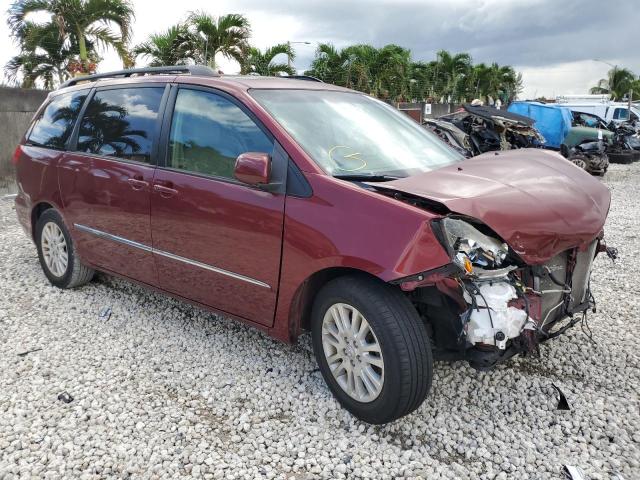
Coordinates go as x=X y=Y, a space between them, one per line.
x=302 y=77
x=200 y=70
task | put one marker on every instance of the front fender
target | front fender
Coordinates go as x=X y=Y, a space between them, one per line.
x=346 y=226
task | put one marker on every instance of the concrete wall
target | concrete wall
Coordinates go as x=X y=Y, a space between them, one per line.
x=17 y=106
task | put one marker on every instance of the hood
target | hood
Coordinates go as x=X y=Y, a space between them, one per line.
x=493 y=114
x=537 y=201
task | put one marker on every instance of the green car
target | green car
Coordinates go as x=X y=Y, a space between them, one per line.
x=578 y=135
x=580 y=138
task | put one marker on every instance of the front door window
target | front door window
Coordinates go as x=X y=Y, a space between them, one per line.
x=208 y=132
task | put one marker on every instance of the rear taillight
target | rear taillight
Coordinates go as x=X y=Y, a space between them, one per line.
x=16 y=155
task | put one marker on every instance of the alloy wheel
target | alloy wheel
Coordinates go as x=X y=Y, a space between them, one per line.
x=353 y=352
x=54 y=249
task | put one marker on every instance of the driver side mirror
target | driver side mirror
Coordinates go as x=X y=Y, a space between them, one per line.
x=253 y=168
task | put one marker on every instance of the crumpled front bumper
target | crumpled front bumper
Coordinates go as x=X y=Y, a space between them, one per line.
x=555 y=296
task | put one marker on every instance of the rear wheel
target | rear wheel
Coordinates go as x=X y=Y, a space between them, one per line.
x=372 y=348
x=57 y=254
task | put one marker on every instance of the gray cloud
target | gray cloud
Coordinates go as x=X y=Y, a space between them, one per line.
x=523 y=33
x=550 y=41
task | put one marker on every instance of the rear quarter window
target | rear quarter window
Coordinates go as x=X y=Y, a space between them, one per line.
x=53 y=127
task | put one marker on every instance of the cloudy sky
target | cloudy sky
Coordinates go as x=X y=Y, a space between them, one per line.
x=554 y=43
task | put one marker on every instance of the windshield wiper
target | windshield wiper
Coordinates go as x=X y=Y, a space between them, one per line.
x=367 y=177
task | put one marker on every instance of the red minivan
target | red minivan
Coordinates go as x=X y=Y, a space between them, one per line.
x=295 y=205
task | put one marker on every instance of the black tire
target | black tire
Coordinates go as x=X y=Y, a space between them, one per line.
x=403 y=339
x=76 y=273
x=621 y=157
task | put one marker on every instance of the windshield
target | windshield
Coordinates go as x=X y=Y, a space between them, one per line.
x=350 y=134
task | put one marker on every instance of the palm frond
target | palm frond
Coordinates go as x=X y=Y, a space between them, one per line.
x=21 y=8
x=118 y=12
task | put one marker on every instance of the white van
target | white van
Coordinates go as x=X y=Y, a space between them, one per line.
x=600 y=106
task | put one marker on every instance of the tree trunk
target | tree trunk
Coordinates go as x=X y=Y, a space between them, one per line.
x=83 y=52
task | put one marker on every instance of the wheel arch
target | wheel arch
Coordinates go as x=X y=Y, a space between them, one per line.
x=36 y=212
x=302 y=302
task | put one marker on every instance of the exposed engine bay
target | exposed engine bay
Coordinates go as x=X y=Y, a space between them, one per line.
x=488 y=305
x=519 y=251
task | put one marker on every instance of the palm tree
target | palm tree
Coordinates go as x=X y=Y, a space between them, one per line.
x=494 y=81
x=451 y=73
x=635 y=89
x=420 y=81
x=262 y=63
x=82 y=22
x=329 y=65
x=227 y=35
x=391 y=73
x=380 y=72
x=43 y=56
x=618 y=83
x=361 y=64
x=172 y=47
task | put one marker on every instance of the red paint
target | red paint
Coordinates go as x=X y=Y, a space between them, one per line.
x=114 y=197
x=225 y=224
x=537 y=201
x=253 y=168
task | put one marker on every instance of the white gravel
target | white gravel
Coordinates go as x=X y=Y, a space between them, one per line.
x=162 y=389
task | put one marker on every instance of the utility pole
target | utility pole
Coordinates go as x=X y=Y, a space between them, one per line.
x=289 y=43
x=206 y=46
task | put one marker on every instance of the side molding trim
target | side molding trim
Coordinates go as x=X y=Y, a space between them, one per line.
x=178 y=258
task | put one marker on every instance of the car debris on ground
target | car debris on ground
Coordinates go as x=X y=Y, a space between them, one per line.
x=105 y=313
x=563 y=404
x=27 y=352
x=65 y=397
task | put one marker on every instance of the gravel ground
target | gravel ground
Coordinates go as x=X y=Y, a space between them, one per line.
x=162 y=389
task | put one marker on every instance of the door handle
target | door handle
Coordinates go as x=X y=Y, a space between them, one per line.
x=165 y=191
x=137 y=183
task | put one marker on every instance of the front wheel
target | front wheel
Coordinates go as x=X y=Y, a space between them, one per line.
x=372 y=348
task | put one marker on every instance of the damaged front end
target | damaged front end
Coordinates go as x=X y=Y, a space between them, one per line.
x=488 y=304
x=489 y=129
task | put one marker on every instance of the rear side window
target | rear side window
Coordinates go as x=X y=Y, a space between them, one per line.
x=208 y=132
x=53 y=128
x=121 y=123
